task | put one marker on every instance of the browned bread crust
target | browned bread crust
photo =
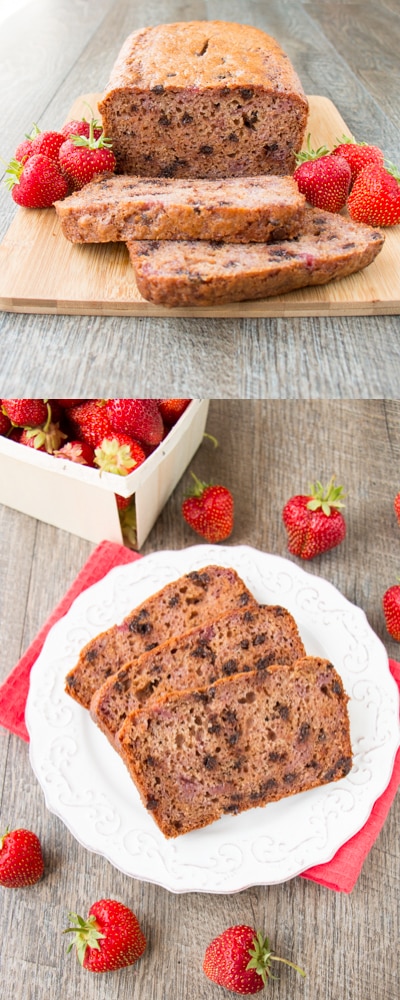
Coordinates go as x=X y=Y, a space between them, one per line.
x=203 y=273
x=246 y=740
x=198 y=596
x=237 y=641
x=239 y=210
x=204 y=99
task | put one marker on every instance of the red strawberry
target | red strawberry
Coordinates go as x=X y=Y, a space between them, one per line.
x=76 y=451
x=111 y=938
x=209 y=510
x=172 y=409
x=36 y=183
x=21 y=860
x=48 y=143
x=240 y=960
x=119 y=453
x=122 y=502
x=140 y=418
x=24 y=148
x=48 y=437
x=81 y=127
x=82 y=158
x=391 y=610
x=358 y=155
x=314 y=523
x=397 y=506
x=5 y=423
x=324 y=179
x=89 y=421
x=375 y=196
x=25 y=412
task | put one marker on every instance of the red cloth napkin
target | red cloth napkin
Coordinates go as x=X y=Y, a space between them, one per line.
x=341 y=873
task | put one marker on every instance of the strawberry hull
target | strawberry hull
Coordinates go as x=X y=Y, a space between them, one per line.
x=82 y=501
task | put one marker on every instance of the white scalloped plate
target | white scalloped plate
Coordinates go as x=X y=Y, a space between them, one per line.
x=86 y=784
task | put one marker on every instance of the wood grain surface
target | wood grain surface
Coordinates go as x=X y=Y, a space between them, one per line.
x=344 y=51
x=41 y=272
x=348 y=944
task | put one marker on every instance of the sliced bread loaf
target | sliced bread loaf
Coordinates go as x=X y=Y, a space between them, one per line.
x=198 y=596
x=237 y=641
x=244 y=741
x=204 y=99
x=194 y=272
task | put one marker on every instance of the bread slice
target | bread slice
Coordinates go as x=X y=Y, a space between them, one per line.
x=204 y=99
x=196 y=597
x=237 y=641
x=235 y=209
x=200 y=273
x=244 y=741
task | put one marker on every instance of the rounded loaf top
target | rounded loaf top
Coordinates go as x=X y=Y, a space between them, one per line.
x=203 y=54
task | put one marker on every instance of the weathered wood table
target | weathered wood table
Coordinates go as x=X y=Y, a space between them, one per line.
x=49 y=56
x=347 y=943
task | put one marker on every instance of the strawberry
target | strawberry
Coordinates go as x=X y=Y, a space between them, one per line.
x=5 y=423
x=396 y=505
x=209 y=510
x=25 y=412
x=240 y=960
x=47 y=438
x=122 y=502
x=21 y=860
x=83 y=157
x=391 y=610
x=118 y=453
x=323 y=178
x=24 y=148
x=48 y=143
x=172 y=409
x=358 y=155
x=89 y=421
x=375 y=196
x=81 y=127
x=111 y=938
x=37 y=182
x=314 y=523
x=140 y=418
x=76 y=451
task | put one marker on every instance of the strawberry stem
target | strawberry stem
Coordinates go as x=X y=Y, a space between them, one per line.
x=311 y=154
x=87 y=934
x=392 y=169
x=327 y=498
x=199 y=486
x=262 y=956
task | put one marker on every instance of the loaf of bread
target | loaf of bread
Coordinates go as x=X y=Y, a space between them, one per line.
x=244 y=741
x=237 y=641
x=204 y=99
x=236 y=209
x=197 y=597
x=199 y=273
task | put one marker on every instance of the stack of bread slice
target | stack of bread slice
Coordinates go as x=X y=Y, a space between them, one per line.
x=205 y=242
x=212 y=702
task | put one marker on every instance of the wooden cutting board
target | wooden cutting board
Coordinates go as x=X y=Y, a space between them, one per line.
x=41 y=272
